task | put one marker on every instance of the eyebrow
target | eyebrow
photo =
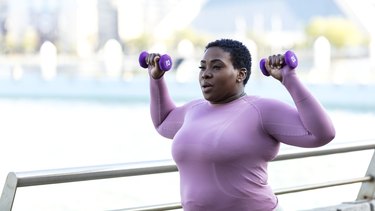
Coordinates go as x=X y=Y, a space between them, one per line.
x=212 y=61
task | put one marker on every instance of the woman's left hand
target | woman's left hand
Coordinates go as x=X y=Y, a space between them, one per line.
x=275 y=65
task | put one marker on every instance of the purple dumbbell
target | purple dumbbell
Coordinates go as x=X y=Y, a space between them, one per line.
x=165 y=61
x=289 y=57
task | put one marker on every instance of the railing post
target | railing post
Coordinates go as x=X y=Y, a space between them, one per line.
x=368 y=188
x=9 y=192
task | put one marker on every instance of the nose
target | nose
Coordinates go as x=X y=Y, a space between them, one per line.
x=206 y=74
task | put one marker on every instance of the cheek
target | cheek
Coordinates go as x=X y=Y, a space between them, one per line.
x=227 y=80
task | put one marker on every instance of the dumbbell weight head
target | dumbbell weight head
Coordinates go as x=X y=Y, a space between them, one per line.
x=142 y=59
x=291 y=59
x=165 y=61
x=263 y=67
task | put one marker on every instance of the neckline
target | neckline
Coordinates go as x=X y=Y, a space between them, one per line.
x=243 y=95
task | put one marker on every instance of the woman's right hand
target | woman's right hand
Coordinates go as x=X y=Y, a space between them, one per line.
x=153 y=65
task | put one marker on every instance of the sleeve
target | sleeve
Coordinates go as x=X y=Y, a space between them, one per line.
x=166 y=116
x=305 y=125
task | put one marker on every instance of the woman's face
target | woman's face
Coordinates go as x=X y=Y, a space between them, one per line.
x=220 y=82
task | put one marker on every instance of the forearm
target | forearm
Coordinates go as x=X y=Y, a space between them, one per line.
x=161 y=104
x=312 y=114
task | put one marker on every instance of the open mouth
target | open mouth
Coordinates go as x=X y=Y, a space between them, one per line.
x=206 y=86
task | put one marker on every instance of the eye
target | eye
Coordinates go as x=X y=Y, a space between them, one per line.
x=216 y=67
x=202 y=68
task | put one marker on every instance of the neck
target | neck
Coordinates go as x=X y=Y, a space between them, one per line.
x=235 y=97
x=232 y=98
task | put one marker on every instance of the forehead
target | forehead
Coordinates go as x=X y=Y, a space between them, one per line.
x=216 y=53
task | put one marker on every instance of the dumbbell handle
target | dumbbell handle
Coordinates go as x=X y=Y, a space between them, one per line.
x=290 y=59
x=165 y=61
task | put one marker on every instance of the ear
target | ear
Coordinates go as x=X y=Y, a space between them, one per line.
x=242 y=73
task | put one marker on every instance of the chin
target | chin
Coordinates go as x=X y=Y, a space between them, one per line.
x=209 y=98
x=206 y=97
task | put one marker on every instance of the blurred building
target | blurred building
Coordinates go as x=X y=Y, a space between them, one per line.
x=68 y=24
x=220 y=16
x=107 y=22
x=3 y=9
x=80 y=26
x=84 y=26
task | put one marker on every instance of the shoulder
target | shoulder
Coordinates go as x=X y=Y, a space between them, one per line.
x=264 y=104
x=197 y=102
x=257 y=100
x=194 y=103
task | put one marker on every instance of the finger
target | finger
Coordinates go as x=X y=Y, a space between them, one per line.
x=149 y=59
x=277 y=62
x=270 y=62
x=156 y=59
x=267 y=65
x=279 y=59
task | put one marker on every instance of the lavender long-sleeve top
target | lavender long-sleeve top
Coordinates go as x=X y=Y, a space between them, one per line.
x=222 y=150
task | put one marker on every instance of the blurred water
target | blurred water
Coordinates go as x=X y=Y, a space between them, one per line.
x=60 y=132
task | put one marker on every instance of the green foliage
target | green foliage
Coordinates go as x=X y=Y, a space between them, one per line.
x=146 y=40
x=198 y=40
x=339 y=31
x=138 y=44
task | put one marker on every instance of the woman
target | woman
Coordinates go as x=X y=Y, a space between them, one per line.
x=222 y=143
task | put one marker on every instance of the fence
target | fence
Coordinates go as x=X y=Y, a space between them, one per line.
x=45 y=177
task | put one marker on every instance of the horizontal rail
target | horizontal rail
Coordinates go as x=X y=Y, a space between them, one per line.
x=174 y=206
x=325 y=151
x=55 y=176
x=44 y=177
x=158 y=207
x=323 y=185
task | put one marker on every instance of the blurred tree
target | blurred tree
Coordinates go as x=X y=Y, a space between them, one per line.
x=199 y=40
x=11 y=44
x=30 y=40
x=146 y=40
x=134 y=46
x=339 y=31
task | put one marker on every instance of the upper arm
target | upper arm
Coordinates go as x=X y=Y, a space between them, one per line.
x=282 y=121
x=173 y=121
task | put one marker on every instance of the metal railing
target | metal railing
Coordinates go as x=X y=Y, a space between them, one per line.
x=34 y=178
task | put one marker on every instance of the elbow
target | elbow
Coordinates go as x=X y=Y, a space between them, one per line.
x=165 y=133
x=331 y=134
x=326 y=138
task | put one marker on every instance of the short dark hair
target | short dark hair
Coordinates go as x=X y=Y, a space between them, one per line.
x=239 y=54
